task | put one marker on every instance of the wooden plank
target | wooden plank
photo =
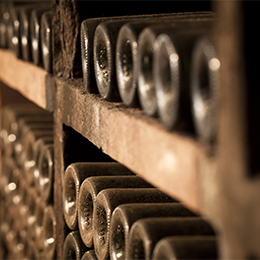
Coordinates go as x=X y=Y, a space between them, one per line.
x=165 y=159
x=28 y=79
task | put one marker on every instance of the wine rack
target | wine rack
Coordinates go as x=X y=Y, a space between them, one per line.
x=216 y=180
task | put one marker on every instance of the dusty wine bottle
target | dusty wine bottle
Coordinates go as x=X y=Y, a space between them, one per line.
x=37 y=227
x=74 y=176
x=89 y=255
x=145 y=60
x=172 y=56
x=49 y=233
x=46 y=172
x=107 y=200
x=87 y=31
x=145 y=233
x=46 y=40
x=30 y=202
x=204 y=88
x=195 y=247
x=37 y=150
x=73 y=247
x=27 y=156
x=124 y=217
x=35 y=30
x=127 y=52
x=87 y=196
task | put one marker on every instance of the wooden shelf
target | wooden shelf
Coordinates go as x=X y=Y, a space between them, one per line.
x=31 y=81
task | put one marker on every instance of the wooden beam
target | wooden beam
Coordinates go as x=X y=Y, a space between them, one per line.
x=29 y=80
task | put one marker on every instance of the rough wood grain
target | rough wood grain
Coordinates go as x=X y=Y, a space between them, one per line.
x=167 y=160
x=32 y=82
x=231 y=194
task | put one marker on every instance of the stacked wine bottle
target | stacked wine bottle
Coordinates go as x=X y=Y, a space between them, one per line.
x=28 y=225
x=114 y=214
x=25 y=29
x=166 y=64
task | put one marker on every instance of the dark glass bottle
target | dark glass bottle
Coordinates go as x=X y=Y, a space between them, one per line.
x=46 y=172
x=38 y=148
x=187 y=247
x=49 y=233
x=204 y=88
x=89 y=255
x=73 y=247
x=46 y=40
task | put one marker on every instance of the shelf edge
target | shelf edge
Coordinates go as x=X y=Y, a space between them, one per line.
x=28 y=79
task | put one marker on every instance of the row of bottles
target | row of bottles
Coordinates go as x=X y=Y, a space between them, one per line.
x=28 y=225
x=114 y=214
x=164 y=63
x=25 y=28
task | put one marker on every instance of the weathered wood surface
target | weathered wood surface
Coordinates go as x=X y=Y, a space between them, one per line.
x=231 y=191
x=165 y=159
x=32 y=82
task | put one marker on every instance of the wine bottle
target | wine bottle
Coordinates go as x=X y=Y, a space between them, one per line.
x=124 y=217
x=107 y=200
x=35 y=30
x=49 y=233
x=37 y=227
x=74 y=176
x=27 y=156
x=204 y=88
x=186 y=247
x=73 y=247
x=46 y=40
x=46 y=172
x=37 y=150
x=89 y=255
x=87 y=196
x=145 y=233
